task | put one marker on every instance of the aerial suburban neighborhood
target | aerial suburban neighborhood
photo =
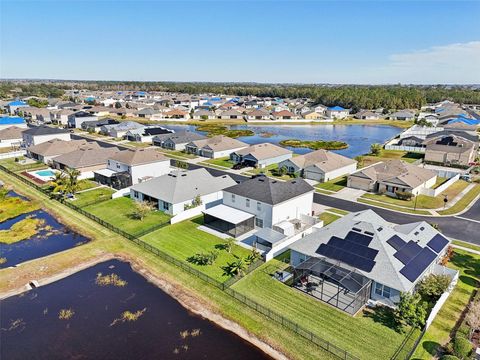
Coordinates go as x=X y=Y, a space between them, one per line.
x=293 y=218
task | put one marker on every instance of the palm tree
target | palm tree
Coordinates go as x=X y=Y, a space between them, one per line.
x=229 y=244
x=58 y=183
x=72 y=180
x=235 y=268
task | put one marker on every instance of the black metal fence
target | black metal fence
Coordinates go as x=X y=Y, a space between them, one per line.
x=224 y=286
x=409 y=344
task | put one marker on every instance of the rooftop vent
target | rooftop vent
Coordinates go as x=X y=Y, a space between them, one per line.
x=422 y=228
x=380 y=228
x=356 y=229
x=369 y=233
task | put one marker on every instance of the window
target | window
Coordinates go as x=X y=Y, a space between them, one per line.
x=135 y=194
x=166 y=205
x=259 y=206
x=247 y=202
x=382 y=290
x=259 y=222
x=233 y=198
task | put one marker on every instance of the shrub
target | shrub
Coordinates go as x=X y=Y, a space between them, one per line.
x=433 y=286
x=411 y=310
x=462 y=347
x=463 y=331
x=404 y=195
x=449 y=357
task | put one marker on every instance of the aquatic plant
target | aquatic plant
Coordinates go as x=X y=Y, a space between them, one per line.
x=315 y=145
x=112 y=279
x=129 y=316
x=195 y=333
x=66 y=314
x=176 y=351
x=21 y=230
x=3 y=260
x=184 y=334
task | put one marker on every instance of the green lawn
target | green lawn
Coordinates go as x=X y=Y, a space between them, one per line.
x=366 y=335
x=423 y=202
x=224 y=162
x=466 y=244
x=338 y=211
x=439 y=181
x=463 y=202
x=11 y=207
x=183 y=240
x=88 y=197
x=438 y=334
x=176 y=153
x=328 y=218
x=336 y=184
x=86 y=184
x=11 y=165
x=393 y=207
x=368 y=159
x=119 y=212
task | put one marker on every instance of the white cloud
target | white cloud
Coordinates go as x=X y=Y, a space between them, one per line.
x=446 y=64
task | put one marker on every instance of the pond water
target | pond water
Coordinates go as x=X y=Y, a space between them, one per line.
x=358 y=137
x=52 y=237
x=31 y=328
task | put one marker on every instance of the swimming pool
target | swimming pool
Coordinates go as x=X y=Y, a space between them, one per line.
x=45 y=173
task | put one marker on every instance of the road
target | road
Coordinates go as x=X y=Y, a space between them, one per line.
x=465 y=227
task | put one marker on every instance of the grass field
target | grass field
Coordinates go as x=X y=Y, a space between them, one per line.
x=11 y=207
x=120 y=213
x=86 y=184
x=224 y=162
x=466 y=245
x=183 y=240
x=366 y=335
x=338 y=211
x=88 y=197
x=328 y=218
x=336 y=184
x=423 y=202
x=11 y=165
x=438 y=333
x=463 y=202
x=392 y=207
x=21 y=230
x=368 y=159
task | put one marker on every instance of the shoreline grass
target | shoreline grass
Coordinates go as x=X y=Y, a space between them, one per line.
x=21 y=230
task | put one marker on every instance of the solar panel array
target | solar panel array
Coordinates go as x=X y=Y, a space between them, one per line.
x=437 y=243
x=353 y=250
x=396 y=242
x=408 y=252
x=418 y=264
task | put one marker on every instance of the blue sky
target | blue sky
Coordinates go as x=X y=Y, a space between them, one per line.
x=261 y=41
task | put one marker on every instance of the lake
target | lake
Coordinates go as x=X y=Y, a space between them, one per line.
x=52 y=237
x=358 y=137
x=31 y=327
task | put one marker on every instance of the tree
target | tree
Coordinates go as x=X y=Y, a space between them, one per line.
x=58 y=183
x=181 y=164
x=411 y=310
x=3 y=193
x=234 y=268
x=433 y=286
x=71 y=180
x=375 y=149
x=462 y=347
x=229 y=244
x=253 y=256
x=142 y=209
x=118 y=105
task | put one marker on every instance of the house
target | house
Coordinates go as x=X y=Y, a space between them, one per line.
x=11 y=137
x=48 y=150
x=145 y=134
x=175 y=114
x=362 y=258
x=367 y=115
x=262 y=202
x=13 y=106
x=319 y=165
x=86 y=159
x=258 y=114
x=214 y=147
x=76 y=119
x=128 y=167
x=176 y=141
x=231 y=115
x=204 y=115
x=402 y=115
x=284 y=115
x=94 y=126
x=7 y=121
x=392 y=176
x=260 y=155
x=98 y=110
x=450 y=148
x=312 y=115
x=337 y=112
x=39 y=115
x=174 y=192
x=120 y=130
x=60 y=116
x=38 y=134
x=146 y=112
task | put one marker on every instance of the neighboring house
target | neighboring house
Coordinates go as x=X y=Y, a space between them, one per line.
x=392 y=176
x=120 y=130
x=203 y=115
x=13 y=106
x=175 y=114
x=320 y=165
x=337 y=112
x=214 y=147
x=262 y=202
x=39 y=115
x=146 y=113
x=76 y=119
x=145 y=134
x=48 y=150
x=362 y=258
x=37 y=135
x=7 y=121
x=258 y=114
x=312 y=115
x=260 y=155
x=94 y=126
x=367 y=115
x=99 y=110
x=173 y=192
x=128 y=167
x=284 y=115
x=176 y=141
x=450 y=149
x=87 y=159
x=60 y=116
x=412 y=140
x=11 y=137
x=231 y=115
x=402 y=115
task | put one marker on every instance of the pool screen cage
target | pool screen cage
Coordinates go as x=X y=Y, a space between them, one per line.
x=334 y=283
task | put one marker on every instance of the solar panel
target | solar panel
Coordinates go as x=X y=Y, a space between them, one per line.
x=408 y=252
x=354 y=248
x=346 y=257
x=437 y=243
x=358 y=238
x=396 y=242
x=418 y=265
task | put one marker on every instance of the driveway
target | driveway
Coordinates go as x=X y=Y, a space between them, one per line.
x=349 y=194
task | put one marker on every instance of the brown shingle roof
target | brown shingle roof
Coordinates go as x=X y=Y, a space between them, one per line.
x=138 y=156
x=11 y=132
